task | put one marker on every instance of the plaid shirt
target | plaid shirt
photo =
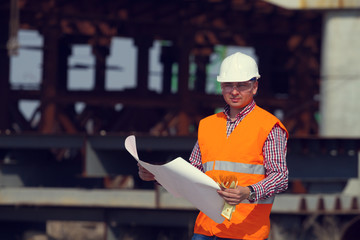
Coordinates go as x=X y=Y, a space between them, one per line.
x=274 y=151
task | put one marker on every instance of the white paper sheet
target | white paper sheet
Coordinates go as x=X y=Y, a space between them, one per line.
x=182 y=179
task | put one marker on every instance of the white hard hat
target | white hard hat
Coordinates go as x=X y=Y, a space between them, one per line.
x=238 y=67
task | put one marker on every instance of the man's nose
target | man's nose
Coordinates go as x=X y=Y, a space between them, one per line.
x=235 y=88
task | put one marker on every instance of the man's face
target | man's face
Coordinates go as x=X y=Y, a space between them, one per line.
x=239 y=94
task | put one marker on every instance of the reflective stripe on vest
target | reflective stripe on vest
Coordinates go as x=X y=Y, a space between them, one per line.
x=239 y=168
x=235 y=167
x=208 y=166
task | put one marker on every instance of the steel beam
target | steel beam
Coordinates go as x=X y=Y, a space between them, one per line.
x=107 y=155
x=41 y=141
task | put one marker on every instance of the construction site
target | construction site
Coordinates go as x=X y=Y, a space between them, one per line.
x=64 y=171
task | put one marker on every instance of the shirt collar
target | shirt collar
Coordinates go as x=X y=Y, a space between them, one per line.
x=248 y=108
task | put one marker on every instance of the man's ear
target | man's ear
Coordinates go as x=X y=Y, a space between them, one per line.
x=255 y=88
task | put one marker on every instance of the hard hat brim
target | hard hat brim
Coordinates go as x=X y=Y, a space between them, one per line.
x=221 y=79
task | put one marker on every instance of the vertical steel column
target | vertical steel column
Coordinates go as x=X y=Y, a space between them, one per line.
x=143 y=44
x=266 y=70
x=201 y=64
x=4 y=67
x=65 y=52
x=100 y=52
x=184 y=45
x=167 y=58
x=51 y=53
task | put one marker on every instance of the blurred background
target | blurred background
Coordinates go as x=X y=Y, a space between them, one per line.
x=78 y=77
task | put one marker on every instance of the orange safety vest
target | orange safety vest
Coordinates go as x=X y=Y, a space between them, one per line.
x=241 y=155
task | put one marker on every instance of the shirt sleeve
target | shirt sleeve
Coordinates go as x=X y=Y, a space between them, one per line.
x=195 y=157
x=276 y=171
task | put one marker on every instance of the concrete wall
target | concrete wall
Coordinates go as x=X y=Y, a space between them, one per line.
x=340 y=70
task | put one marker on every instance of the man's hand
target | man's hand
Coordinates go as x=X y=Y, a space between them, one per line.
x=234 y=196
x=144 y=174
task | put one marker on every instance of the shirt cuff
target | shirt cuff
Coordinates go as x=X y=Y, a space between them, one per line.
x=258 y=192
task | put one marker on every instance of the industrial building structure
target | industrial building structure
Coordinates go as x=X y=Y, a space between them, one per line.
x=71 y=165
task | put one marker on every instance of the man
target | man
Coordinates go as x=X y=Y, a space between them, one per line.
x=244 y=141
